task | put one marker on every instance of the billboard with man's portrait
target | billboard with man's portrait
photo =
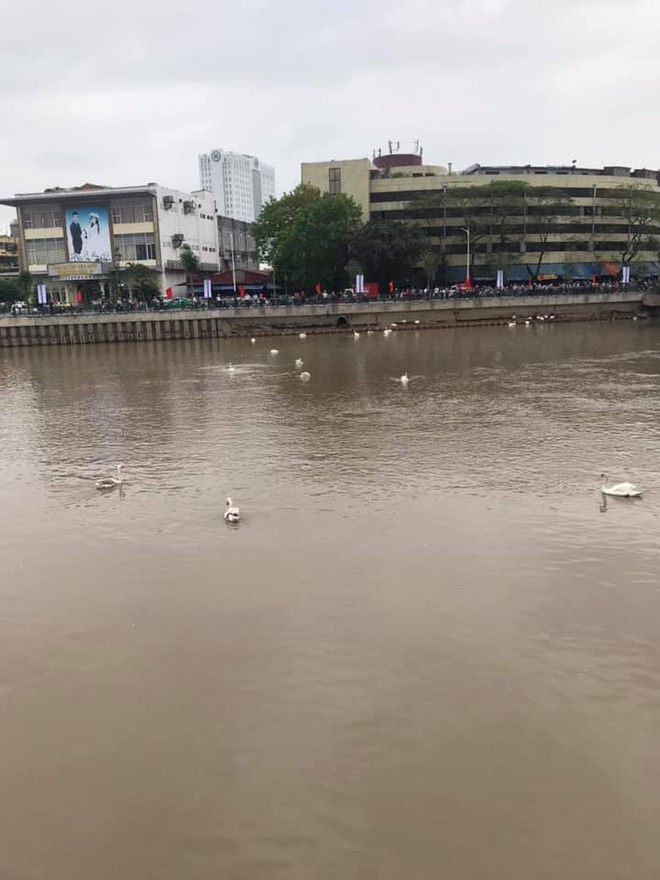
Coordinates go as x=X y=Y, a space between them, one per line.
x=88 y=235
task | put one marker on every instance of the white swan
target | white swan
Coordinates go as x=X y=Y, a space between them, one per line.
x=511 y=324
x=253 y=340
x=231 y=512
x=305 y=376
x=404 y=379
x=231 y=368
x=299 y=362
x=387 y=331
x=623 y=490
x=274 y=351
x=356 y=335
x=302 y=336
x=110 y=482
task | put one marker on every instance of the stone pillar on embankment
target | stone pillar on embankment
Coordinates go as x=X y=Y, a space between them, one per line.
x=24 y=330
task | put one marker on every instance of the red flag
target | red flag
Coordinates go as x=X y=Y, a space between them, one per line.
x=241 y=291
x=318 y=288
x=79 y=296
x=168 y=293
x=390 y=287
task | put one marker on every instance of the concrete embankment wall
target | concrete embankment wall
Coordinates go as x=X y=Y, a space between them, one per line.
x=199 y=324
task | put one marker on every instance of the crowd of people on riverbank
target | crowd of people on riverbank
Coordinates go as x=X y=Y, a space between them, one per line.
x=300 y=298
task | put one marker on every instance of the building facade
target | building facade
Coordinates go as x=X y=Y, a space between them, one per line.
x=565 y=223
x=78 y=241
x=236 y=245
x=240 y=184
x=9 y=254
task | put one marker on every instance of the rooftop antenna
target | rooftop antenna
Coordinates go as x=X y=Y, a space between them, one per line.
x=417 y=146
x=389 y=143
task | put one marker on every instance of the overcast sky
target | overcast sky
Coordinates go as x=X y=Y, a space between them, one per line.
x=132 y=91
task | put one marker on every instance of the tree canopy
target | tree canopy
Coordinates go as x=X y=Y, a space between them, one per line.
x=305 y=236
x=388 y=250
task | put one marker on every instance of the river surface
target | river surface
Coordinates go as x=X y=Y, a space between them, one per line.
x=428 y=650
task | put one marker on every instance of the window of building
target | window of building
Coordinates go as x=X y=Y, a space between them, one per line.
x=42 y=218
x=133 y=212
x=139 y=246
x=334 y=181
x=41 y=252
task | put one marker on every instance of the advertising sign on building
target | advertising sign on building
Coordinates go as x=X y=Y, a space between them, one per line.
x=88 y=234
x=75 y=271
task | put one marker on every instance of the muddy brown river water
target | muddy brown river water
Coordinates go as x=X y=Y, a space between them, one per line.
x=428 y=650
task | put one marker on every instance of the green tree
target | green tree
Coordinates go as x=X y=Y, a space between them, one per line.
x=638 y=208
x=9 y=289
x=507 y=200
x=190 y=264
x=545 y=206
x=25 y=286
x=143 y=281
x=428 y=263
x=272 y=228
x=305 y=236
x=388 y=250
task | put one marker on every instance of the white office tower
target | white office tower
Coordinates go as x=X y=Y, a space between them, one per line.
x=241 y=185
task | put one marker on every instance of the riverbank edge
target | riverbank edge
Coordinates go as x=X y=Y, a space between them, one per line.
x=20 y=331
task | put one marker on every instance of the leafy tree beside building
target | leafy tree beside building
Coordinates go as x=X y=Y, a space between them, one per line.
x=305 y=237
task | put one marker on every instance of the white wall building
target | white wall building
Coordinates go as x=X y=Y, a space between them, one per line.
x=78 y=240
x=240 y=184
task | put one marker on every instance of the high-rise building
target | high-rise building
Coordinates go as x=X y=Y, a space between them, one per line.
x=240 y=184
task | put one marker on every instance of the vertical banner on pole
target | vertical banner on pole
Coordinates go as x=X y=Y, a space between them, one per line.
x=42 y=297
x=359 y=283
x=625 y=275
x=500 y=279
x=208 y=288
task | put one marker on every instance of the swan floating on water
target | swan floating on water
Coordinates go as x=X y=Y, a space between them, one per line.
x=404 y=379
x=299 y=362
x=110 y=482
x=356 y=335
x=305 y=376
x=386 y=331
x=274 y=351
x=302 y=336
x=623 y=490
x=231 y=368
x=253 y=340
x=231 y=512
x=511 y=324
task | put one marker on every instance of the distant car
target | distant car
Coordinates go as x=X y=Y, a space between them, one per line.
x=181 y=302
x=20 y=306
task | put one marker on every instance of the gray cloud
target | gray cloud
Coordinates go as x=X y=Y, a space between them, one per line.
x=136 y=91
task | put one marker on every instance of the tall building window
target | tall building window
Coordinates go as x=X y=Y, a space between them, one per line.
x=334 y=181
x=140 y=246
x=42 y=251
x=41 y=218
x=132 y=212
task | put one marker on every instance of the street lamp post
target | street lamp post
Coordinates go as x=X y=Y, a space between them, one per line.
x=466 y=230
x=233 y=263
